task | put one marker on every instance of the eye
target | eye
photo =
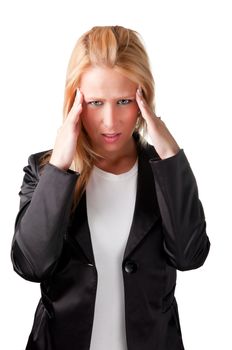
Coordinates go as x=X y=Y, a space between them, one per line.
x=124 y=101
x=95 y=103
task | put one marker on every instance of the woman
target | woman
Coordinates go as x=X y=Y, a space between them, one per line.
x=106 y=218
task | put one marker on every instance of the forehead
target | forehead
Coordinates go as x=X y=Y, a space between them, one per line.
x=106 y=82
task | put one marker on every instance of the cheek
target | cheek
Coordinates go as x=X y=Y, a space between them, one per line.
x=89 y=122
x=86 y=122
x=132 y=116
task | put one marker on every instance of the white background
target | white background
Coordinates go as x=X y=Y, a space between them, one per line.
x=189 y=44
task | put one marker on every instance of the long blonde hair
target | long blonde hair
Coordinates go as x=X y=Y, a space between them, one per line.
x=107 y=46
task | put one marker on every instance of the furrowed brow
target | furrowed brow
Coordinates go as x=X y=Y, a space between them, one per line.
x=103 y=99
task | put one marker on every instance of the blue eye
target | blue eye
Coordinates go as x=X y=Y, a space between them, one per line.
x=125 y=101
x=95 y=103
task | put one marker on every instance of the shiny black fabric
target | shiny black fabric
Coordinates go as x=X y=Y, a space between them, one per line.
x=54 y=248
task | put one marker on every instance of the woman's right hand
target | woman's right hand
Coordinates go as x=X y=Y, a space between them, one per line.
x=67 y=135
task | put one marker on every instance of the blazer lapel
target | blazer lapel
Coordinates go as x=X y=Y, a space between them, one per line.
x=80 y=230
x=146 y=211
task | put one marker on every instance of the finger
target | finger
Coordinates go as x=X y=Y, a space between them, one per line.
x=143 y=106
x=139 y=94
x=139 y=98
x=76 y=107
x=75 y=114
x=78 y=98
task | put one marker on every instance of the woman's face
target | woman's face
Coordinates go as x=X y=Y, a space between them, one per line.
x=110 y=109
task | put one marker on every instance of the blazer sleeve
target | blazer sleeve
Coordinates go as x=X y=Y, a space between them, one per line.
x=185 y=240
x=45 y=204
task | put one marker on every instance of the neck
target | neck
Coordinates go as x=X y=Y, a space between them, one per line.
x=119 y=162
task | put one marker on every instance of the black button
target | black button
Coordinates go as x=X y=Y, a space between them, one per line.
x=130 y=266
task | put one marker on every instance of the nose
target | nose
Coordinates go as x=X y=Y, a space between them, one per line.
x=109 y=118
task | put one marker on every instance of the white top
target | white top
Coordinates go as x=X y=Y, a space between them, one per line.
x=110 y=202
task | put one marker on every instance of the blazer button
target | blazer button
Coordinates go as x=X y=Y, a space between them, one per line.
x=130 y=266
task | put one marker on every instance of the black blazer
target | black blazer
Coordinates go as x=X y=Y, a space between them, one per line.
x=49 y=246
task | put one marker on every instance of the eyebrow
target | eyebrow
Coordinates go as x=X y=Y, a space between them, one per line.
x=116 y=98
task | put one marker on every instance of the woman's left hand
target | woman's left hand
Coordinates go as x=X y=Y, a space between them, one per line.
x=162 y=140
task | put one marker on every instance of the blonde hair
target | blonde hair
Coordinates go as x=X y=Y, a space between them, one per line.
x=107 y=46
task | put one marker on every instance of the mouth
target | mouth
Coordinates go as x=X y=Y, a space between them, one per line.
x=111 y=137
x=111 y=134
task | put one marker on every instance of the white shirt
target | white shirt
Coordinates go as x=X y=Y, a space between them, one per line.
x=110 y=202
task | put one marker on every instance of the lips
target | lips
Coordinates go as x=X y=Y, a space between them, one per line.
x=111 y=137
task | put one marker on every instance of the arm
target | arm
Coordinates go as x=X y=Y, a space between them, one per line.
x=42 y=219
x=185 y=240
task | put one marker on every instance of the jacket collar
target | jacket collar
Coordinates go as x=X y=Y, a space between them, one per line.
x=146 y=211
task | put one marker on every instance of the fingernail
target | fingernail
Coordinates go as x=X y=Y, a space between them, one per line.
x=78 y=92
x=140 y=91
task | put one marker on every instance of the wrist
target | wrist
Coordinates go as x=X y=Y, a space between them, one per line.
x=169 y=153
x=58 y=165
